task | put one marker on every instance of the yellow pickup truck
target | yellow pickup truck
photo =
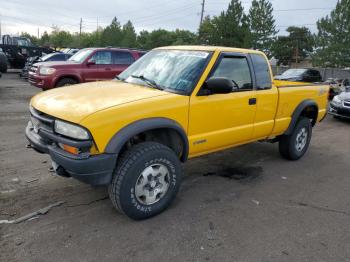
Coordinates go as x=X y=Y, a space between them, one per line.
x=173 y=104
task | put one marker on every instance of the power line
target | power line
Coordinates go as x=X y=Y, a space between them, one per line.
x=296 y=25
x=303 y=9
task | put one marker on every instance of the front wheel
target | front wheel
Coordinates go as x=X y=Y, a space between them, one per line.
x=66 y=82
x=294 y=146
x=146 y=180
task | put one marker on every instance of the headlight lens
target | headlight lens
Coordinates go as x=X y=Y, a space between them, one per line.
x=71 y=130
x=336 y=100
x=47 y=70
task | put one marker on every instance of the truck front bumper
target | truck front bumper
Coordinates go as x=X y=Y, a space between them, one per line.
x=43 y=82
x=91 y=169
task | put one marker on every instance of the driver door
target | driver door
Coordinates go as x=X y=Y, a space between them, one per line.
x=218 y=121
x=101 y=69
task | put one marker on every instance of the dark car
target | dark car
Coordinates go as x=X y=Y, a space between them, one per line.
x=18 y=49
x=47 y=58
x=90 y=64
x=301 y=75
x=3 y=62
x=340 y=105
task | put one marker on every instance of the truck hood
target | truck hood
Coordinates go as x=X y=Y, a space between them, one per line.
x=345 y=95
x=74 y=103
x=57 y=64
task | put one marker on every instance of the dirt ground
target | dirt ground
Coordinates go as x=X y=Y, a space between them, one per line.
x=244 y=204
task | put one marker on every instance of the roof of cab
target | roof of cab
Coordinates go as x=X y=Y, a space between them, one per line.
x=210 y=48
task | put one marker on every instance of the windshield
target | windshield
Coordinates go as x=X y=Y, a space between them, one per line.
x=294 y=72
x=174 y=70
x=46 y=57
x=80 y=56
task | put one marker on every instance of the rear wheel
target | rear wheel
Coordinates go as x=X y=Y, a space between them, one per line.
x=146 y=180
x=294 y=146
x=66 y=82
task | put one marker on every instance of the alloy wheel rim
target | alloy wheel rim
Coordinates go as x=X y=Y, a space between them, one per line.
x=152 y=184
x=301 y=139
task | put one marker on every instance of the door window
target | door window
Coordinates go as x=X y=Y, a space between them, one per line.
x=122 y=58
x=102 y=58
x=262 y=72
x=237 y=70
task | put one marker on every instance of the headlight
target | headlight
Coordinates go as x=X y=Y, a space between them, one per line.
x=71 y=130
x=336 y=100
x=47 y=71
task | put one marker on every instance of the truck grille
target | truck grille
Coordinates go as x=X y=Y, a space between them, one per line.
x=41 y=120
x=33 y=69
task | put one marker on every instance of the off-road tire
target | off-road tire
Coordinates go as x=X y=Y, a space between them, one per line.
x=288 y=143
x=132 y=164
x=66 y=82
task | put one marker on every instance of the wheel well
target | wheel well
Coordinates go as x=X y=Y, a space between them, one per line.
x=310 y=112
x=166 y=136
x=67 y=77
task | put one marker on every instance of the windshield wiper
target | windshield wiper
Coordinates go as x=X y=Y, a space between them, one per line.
x=150 y=82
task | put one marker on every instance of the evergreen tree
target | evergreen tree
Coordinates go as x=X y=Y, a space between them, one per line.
x=207 y=32
x=295 y=47
x=262 y=25
x=129 y=35
x=230 y=28
x=333 y=38
x=45 y=39
x=112 y=35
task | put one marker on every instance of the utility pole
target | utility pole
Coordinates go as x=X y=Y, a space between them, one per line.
x=202 y=13
x=38 y=33
x=297 y=53
x=80 y=26
x=97 y=25
x=0 y=29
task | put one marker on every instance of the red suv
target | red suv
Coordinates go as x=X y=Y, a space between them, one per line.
x=87 y=65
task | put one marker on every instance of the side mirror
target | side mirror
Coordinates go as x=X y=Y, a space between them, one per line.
x=91 y=62
x=220 y=85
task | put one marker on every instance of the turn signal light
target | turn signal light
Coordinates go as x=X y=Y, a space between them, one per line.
x=70 y=149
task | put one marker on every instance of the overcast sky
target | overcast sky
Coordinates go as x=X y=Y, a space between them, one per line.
x=28 y=15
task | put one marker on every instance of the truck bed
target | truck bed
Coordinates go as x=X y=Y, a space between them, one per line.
x=291 y=94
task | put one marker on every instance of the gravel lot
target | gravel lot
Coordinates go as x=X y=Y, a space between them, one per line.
x=244 y=204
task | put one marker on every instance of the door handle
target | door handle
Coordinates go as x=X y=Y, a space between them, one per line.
x=252 y=101
x=108 y=69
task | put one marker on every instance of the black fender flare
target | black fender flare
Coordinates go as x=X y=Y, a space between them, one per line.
x=116 y=143
x=297 y=112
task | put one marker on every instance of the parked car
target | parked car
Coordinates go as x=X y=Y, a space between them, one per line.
x=71 y=51
x=58 y=56
x=337 y=86
x=18 y=49
x=3 y=62
x=301 y=75
x=172 y=104
x=340 y=105
x=88 y=65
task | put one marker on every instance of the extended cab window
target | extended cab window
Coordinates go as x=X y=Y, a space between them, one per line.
x=122 y=58
x=236 y=69
x=262 y=71
x=102 y=58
